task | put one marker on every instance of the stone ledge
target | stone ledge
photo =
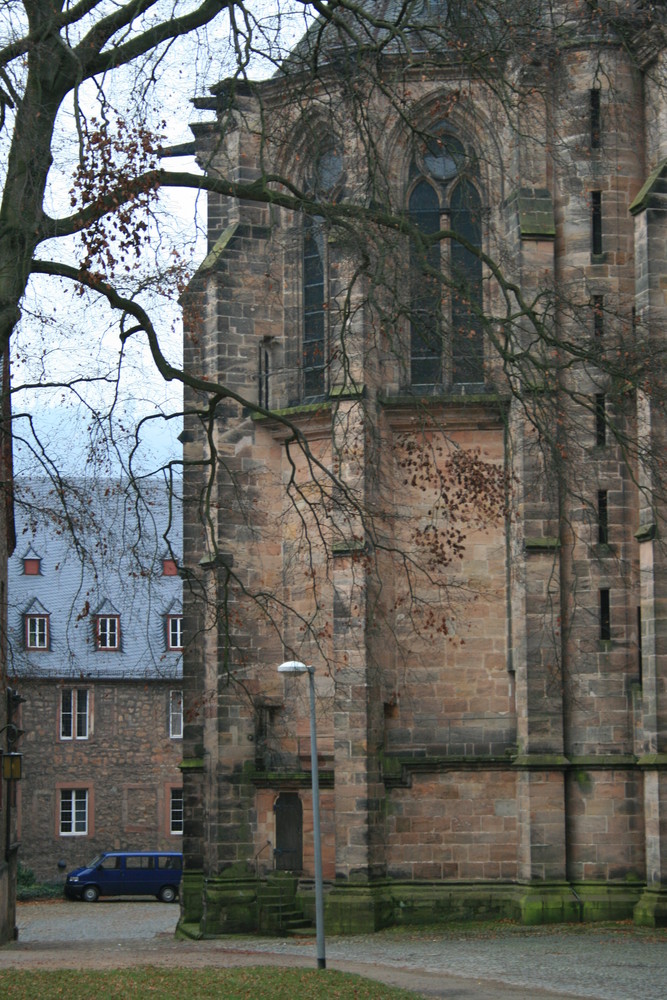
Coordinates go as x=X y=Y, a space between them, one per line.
x=646 y=532
x=541 y=762
x=547 y=544
x=603 y=761
x=191 y=764
x=347 y=548
x=657 y=761
x=344 y=392
x=643 y=198
x=412 y=399
x=397 y=771
x=299 y=410
x=290 y=779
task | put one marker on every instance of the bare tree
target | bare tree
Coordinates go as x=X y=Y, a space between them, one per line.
x=356 y=82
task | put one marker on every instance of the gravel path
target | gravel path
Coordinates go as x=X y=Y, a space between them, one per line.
x=503 y=962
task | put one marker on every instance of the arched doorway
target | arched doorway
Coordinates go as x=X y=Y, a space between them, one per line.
x=289 y=832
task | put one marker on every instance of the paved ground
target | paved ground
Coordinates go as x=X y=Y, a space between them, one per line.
x=502 y=962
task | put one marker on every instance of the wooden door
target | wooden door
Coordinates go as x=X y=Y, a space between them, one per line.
x=289 y=832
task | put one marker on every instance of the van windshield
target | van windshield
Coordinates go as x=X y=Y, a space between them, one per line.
x=98 y=859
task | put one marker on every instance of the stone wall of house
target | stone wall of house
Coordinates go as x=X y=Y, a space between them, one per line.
x=128 y=764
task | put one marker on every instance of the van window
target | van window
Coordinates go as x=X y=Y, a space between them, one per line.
x=108 y=864
x=137 y=861
x=168 y=863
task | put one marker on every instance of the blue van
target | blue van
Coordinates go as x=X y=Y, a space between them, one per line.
x=127 y=873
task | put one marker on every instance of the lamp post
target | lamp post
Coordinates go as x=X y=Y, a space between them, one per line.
x=295 y=667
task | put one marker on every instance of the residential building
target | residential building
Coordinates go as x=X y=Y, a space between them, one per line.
x=95 y=653
x=445 y=495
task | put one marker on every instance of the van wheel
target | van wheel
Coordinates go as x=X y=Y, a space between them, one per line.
x=167 y=894
x=91 y=894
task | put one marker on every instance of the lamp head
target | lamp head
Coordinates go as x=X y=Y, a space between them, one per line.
x=293 y=667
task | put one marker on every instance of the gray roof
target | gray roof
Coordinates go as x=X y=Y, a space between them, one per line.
x=457 y=30
x=101 y=549
x=402 y=27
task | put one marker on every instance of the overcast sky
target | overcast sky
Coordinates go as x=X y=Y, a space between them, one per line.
x=65 y=337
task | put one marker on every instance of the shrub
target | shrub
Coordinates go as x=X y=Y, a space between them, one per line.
x=27 y=888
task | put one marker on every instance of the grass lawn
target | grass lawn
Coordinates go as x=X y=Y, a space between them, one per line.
x=195 y=984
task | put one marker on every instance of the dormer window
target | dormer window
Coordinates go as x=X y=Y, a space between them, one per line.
x=37 y=632
x=106 y=623
x=175 y=632
x=108 y=632
x=37 y=627
x=32 y=563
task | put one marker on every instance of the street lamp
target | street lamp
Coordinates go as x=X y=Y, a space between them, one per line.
x=295 y=667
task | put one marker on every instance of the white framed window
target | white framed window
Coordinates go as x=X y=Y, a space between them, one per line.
x=37 y=632
x=175 y=632
x=73 y=812
x=176 y=715
x=108 y=632
x=74 y=714
x=176 y=811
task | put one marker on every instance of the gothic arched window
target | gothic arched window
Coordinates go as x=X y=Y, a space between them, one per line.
x=466 y=286
x=324 y=184
x=425 y=289
x=314 y=308
x=446 y=343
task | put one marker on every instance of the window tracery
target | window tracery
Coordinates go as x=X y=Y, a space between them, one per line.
x=325 y=183
x=446 y=342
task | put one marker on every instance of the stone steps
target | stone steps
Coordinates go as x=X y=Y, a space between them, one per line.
x=278 y=909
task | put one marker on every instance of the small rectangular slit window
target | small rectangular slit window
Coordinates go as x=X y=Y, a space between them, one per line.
x=600 y=419
x=603 y=518
x=598 y=315
x=596 y=222
x=605 y=615
x=263 y=376
x=595 y=118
